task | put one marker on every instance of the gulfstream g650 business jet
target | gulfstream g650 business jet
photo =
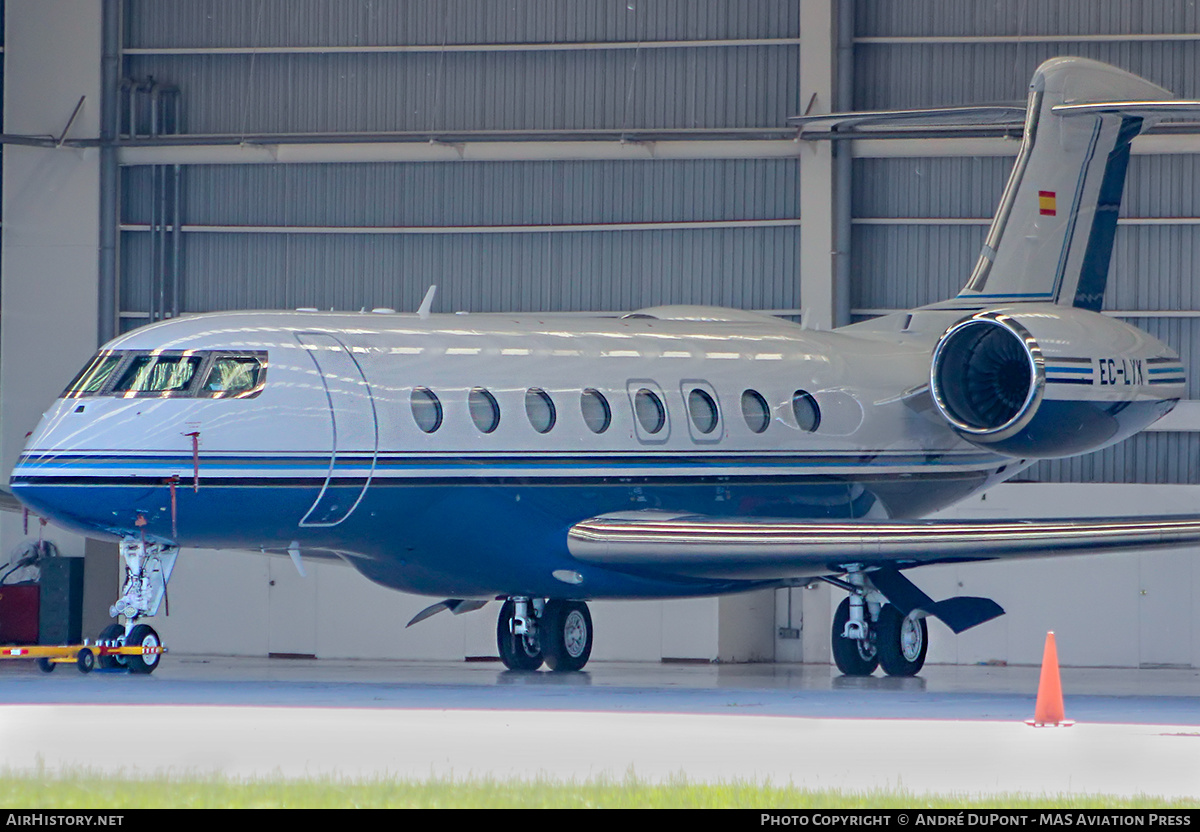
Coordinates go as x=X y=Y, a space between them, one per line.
x=676 y=451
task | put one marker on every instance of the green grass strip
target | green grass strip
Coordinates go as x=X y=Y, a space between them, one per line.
x=91 y=791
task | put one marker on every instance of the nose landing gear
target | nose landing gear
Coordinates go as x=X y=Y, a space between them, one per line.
x=148 y=567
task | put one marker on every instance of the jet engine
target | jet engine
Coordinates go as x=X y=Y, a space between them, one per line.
x=1041 y=380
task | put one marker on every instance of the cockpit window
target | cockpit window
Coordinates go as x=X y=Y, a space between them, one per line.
x=94 y=376
x=210 y=374
x=158 y=374
x=232 y=376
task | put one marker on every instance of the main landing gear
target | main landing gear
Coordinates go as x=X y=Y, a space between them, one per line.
x=533 y=631
x=869 y=632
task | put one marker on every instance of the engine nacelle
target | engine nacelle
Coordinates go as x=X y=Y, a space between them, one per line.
x=1040 y=380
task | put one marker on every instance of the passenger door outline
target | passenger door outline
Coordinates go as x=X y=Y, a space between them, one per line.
x=344 y=382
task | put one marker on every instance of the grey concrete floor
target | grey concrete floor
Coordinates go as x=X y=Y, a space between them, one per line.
x=951 y=730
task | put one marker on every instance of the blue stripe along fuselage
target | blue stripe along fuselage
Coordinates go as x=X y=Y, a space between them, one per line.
x=152 y=466
x=479 y=534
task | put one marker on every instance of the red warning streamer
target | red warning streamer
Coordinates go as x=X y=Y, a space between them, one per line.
x=174 y=506
x=195 y=459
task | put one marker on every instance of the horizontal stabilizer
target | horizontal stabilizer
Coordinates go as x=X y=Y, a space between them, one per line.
x=959 y=613
x=873 y=123
x=1173 y=108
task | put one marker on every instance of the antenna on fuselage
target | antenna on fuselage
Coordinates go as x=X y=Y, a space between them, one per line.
x=294 y=553
x=427 y=303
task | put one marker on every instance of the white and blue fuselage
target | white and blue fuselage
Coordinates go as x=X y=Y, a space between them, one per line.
x=672 y=452
x=371 y=436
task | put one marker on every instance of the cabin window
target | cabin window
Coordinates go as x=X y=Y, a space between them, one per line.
x=485 y=413
x=95 y=375
x=596 y=413
x=233 y=376
x=755 y=411
x=804 y=408
x=426 y=409
x=702 y=410
x=539 y=407
x=163 y=374
x=649 y=410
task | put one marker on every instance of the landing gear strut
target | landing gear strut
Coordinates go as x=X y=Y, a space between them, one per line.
x=531 y=631
x=516 y=636
x=869 y=632
x=853 y=656
x=148 y=567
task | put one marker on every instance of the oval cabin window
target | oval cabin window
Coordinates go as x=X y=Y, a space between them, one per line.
x=649 y=410
x=485 y=413
x=426 y=409
x=596 y=413
x=702 y=410
x=755 y=411
x=804 y=408
x=539 y=407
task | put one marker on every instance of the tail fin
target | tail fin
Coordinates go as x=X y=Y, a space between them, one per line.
x=1052 y=237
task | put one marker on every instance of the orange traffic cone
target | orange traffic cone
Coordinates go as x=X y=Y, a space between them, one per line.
x=1049 y=709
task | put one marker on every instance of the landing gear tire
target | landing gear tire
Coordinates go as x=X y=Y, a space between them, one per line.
x=854 y=657
x=143 y=635
x=901 y=641
x=110 y=634
x=517 y=652
x=566 y=629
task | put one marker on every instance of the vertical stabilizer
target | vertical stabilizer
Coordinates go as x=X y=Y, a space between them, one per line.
x=1052 y=237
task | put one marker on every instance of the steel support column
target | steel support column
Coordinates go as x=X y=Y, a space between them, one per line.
x=817 y=186
x=110 y=178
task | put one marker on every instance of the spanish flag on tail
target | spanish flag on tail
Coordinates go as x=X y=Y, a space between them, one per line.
x=1047 y=206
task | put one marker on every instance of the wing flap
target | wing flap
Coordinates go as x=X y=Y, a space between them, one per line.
x=754 y=548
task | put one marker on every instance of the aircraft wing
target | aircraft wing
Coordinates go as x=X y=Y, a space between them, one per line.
x=10 y=503
x=754 y=548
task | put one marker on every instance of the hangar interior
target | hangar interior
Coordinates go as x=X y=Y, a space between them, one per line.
x=564 y=156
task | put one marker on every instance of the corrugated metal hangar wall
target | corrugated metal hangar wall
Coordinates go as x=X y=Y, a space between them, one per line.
x=612 y=234
x=557 y=155
x=530 y=235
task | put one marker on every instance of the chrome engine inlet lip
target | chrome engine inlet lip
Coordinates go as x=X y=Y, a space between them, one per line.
x=1037 y=372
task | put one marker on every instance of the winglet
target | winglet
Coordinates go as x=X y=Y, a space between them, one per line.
x=427 y=303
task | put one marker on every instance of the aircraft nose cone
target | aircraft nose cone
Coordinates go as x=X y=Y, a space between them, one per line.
x=44 y=487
